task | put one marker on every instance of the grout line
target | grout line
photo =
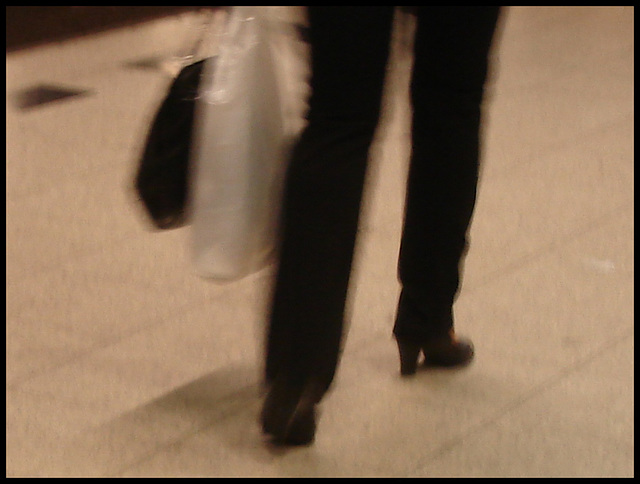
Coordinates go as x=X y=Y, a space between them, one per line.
x=515 y=266
x=552 y=247
x=150 y=325
x=531 y=151
x=91 y=350
x=517 y=404
x=613 y=125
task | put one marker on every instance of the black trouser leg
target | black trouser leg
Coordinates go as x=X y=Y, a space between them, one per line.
x=450 y=68
x=349 y=49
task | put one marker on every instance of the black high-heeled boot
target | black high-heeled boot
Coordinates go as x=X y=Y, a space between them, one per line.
x=444 y=351
x=289 y=414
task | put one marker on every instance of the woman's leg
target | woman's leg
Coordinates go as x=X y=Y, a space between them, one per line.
x=450 y=69
x=349 y=51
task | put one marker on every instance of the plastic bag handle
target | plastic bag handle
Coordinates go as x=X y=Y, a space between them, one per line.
x=236 y=37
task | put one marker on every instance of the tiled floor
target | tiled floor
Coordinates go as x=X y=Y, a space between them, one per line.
x=121 y=362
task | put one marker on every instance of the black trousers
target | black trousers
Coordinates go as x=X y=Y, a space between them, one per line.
x=349 y=53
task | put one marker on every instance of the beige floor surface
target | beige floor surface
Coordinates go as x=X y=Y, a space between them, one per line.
x=121 y=362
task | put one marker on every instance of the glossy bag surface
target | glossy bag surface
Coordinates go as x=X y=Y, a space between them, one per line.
x=240 y=154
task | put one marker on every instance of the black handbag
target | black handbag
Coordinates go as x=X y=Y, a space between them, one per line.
x=162 y=177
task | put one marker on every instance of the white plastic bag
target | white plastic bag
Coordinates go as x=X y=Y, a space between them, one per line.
x=240 y=153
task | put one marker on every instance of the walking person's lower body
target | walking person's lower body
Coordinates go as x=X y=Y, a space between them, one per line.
x=451 y=51
x=349 y=51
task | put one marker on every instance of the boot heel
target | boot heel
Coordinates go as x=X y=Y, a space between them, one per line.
x=409 y=353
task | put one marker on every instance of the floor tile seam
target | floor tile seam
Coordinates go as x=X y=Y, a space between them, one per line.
x=589 y=134
x=552 y=248
x=79 y=257
x=257 y=277
x=512 y=407
x=124 y=186
x=443 y=449
x=87 y=353
x=226 y=408
x=528 y=152
x=152 y=324
x=549 y=250
x=585 y=135
x=563 y=76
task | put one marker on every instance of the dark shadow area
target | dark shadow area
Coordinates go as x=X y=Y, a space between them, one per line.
x=32 y=26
